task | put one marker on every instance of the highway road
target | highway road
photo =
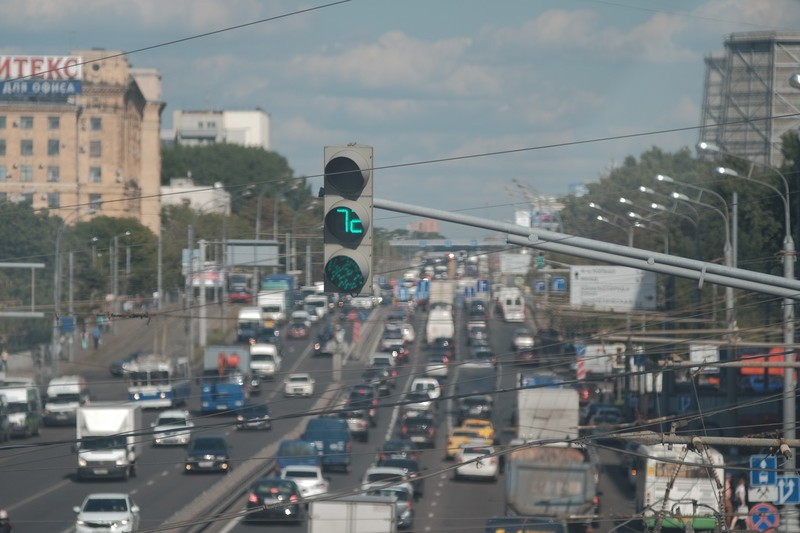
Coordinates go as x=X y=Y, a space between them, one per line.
x=39 y=487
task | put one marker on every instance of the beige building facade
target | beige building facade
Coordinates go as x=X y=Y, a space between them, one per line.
x=80 y=136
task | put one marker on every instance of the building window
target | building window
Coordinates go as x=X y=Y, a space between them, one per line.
x=95 y=201
x=53 y=147
x=26 y=147
x=2 y=147
x=95 y=174
x=95 y=149
x=2 y=122
x=26 y=123
x=3 y=173
x=53 y=173
x=3 y=197
x=53 y=123
x=25 y=173
x=53 y=200
x=96 y=123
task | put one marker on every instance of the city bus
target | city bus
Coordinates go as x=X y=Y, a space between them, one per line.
x=694 y=496
x=159 y=381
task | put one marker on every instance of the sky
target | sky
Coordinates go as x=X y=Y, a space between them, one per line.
x=461 y=99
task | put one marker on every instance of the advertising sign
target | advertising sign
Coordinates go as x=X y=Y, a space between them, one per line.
x=612 y=288
x=51 y=68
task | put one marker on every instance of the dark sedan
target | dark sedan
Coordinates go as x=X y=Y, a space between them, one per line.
x=274 y=499
x=297 y=330
x=420 y=430
x=402 y=448
x=209 y=453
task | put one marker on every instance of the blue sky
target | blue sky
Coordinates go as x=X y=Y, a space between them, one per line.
x=424 y=80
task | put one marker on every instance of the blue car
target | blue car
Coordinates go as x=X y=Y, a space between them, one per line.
x=297 y=452
x=333 y=436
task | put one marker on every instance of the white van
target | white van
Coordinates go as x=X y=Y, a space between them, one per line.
x=265 y=361
x=430 y=386
x=63 y=397
x=319 y=302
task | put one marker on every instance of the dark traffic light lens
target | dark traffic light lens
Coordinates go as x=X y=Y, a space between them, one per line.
x=345 y=273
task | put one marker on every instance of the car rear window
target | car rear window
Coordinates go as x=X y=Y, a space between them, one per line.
x=301 y=474
x=278 y=486
x=383 y=476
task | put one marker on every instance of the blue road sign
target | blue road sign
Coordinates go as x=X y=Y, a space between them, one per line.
x=448 y=243
x=763 y=516
x=763 y=470
x=559 y=284
x=482 y=285
x=473 y=243
x=423 y=244
x=788 y=490
x=683 y=402
x=402 y=294
x=539 y=286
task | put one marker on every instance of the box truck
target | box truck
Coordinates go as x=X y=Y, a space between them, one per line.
x=108 y=439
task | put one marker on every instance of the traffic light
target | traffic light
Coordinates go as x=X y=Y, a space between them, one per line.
x=540 y=261
x=348 y=219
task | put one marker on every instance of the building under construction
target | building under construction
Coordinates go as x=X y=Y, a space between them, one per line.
x=748 y=103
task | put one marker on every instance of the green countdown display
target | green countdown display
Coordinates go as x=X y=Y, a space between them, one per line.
x=345 y=274
x=344 y=224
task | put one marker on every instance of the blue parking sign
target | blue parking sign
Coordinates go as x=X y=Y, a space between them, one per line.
x=763 y=470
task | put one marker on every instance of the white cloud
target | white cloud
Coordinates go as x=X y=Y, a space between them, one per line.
x=582 y=30
x=750 y=15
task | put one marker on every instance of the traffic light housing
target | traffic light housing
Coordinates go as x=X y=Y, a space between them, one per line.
x=540 y=261
x=348 y=219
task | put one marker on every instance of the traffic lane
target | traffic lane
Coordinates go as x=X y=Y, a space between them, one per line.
x=159 y=486
x=363 y=455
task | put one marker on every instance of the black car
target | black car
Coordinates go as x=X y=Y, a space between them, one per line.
x=209 y=453
x=254 y=416
x=480 y=406
x=402 y=448
x=381 y=377
x=420 y=430
x=411 y=468
x=274 y=498
x=368 y=404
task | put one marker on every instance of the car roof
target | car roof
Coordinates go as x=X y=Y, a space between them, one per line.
x=299 y=375
x=384 y=470
x=306 y=468
x=174 y=413
x=107 y=495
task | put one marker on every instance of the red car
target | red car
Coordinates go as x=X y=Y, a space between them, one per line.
x=240 y=296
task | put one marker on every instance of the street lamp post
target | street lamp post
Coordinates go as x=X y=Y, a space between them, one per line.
x=115 y=272
x=729 y=250
x=789 y=410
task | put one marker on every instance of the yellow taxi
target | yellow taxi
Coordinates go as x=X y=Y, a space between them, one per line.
x=485 y=428
x=462 y=435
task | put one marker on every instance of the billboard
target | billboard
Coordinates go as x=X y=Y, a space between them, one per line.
x=515 y=263
x=49 y=68
x=612 y=288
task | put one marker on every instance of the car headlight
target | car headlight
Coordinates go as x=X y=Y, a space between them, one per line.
x=121 y=462
x=124 y=522
x=81 y=461
x=81 y=522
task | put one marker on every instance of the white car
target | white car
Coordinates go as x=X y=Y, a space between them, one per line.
x=408 y=332
x=428 y=385
x=437 y=366
x=473 y=463
x=380 y=476
x=308 y=478
x=265 y=360
x=522 y=339
x=302 y=316
x=107 y=511
x=172 y=428
x=301 y=384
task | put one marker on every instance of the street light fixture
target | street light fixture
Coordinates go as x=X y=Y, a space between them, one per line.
x=789 y=253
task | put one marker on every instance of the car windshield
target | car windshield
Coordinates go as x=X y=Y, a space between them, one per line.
x=477 y=451
x=64 y=398
x=171 y=421
x=113 y=442
x=301 y=474
x=276 y=487
x=105 y=505
x=297 y=449
x=298 y=379
x=406 y=464
x=383 y=476
x=470 y=434
x=381 y=361
x=208 y=445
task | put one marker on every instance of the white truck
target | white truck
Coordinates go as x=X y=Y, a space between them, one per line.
x=511 y=304
x=558 y=479
x=248 y=323
x=442 y=292
x=24 y=406
x=108 y=439
x=63 y=397
x=440 y=324
x=265 y=360
x=273 y=307
x=353 y=514
x=546 y=411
